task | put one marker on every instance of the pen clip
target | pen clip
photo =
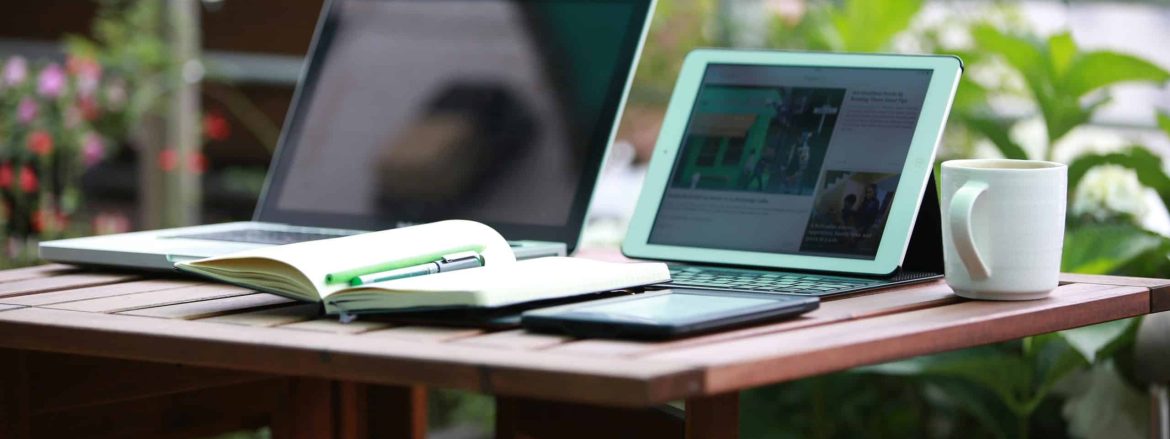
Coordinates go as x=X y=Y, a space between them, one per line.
x=460 y=257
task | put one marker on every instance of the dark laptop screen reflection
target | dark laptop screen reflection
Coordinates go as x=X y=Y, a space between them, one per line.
x=469 y=109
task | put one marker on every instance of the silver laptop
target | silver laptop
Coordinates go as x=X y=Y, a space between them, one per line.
x=407 y=112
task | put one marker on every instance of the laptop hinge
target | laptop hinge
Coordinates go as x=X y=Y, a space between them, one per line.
x=925 y=250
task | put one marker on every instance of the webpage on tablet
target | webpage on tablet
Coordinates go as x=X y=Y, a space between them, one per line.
x=797 y=160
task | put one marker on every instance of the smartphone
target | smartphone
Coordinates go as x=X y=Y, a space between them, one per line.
x=665 y=314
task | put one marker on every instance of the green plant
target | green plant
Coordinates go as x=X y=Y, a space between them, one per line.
x=1016 y=388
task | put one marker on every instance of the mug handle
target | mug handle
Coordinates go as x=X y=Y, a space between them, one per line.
x=959 y=214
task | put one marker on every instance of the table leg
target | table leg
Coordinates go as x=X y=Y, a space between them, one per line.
x=714 y=416
x=14 y=394
x=396 y=411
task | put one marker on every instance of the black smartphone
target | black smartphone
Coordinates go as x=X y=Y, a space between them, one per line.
x=665 y=314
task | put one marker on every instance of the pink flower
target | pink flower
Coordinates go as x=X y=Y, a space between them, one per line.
x=15 y=71
x=52 y=81
x=116 y=94
x=93 y=149
x=26 y=111
x=105 y=223
x=88 y=72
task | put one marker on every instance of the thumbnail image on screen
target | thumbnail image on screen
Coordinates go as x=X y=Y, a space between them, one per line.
x=758 y=139
x=849 y=213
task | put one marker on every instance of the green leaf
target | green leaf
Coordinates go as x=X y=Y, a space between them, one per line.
x=1061 y=50
x=1090 y=340
x=1164 y=122
x=870 y=26
x=1093 y=70
x=1099 y=403
x=1019 y=52
x=1006 y=375
x=998 y=132
x=1105 y=248
x=1146 y=164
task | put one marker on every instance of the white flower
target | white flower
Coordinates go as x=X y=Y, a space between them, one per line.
x=1108 y=190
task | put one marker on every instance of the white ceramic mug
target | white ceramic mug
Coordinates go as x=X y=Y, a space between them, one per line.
x=1003 y=227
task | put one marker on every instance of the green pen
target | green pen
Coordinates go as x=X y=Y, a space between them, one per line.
x=346 y=276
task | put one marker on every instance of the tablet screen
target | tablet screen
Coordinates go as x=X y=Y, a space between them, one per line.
x=795 y=160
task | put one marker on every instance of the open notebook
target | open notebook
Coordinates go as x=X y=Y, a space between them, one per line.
x=300 y=271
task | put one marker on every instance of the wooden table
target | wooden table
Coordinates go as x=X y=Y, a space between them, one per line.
x=96 y=354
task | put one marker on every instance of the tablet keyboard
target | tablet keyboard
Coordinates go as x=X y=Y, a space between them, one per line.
x=261 y=236
x=765 y=281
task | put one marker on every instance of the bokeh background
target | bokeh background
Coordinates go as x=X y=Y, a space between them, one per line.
x=119 y=115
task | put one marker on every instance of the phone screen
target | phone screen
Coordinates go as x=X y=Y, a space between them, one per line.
x=672 y=307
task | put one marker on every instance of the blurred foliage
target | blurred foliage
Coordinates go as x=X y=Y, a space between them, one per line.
x=1070 y=383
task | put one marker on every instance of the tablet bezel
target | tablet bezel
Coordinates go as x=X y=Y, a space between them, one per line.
x=892 y=247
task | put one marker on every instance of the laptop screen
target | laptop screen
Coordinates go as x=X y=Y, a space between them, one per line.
x=414 y=111
x=795 y=160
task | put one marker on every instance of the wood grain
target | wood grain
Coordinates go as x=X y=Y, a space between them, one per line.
x=516 y=339
x=152 y=299
x=332 y=325
x=213 y=307
x=1159 y=288
x=62 y=282
x=755 y=361
x=378 y=360
x=201 y=413
x=39 y=271
x=425 y=334
x=65 y=382
x=117 y=289
x=270 y=317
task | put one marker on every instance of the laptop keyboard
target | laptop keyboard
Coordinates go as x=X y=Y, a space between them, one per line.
x=764 y=281
x=261 y=236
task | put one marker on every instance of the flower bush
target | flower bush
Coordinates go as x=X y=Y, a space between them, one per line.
x=50 y=116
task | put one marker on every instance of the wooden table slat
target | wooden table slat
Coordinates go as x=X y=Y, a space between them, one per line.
x=613 y=381
x=516 y=339
x=62 y=282
x=330 y=324
x=35 y=272
x=117 y=289
x=429 y=334
x=214 y=307
x=269 y=317
x=831 y=311
x=1159 y=288
x=153 y=298
x=790 y=355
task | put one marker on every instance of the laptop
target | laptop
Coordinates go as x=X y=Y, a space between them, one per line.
x=407 y=112
x=797 y=173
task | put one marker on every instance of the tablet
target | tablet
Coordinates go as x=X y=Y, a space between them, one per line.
x=666 y=314
x=793 y=160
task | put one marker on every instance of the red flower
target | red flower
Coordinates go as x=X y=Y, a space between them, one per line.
x=89 y=108
x=40 y=143
x=5 y=175
x=28 y=180
x=216 y=126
